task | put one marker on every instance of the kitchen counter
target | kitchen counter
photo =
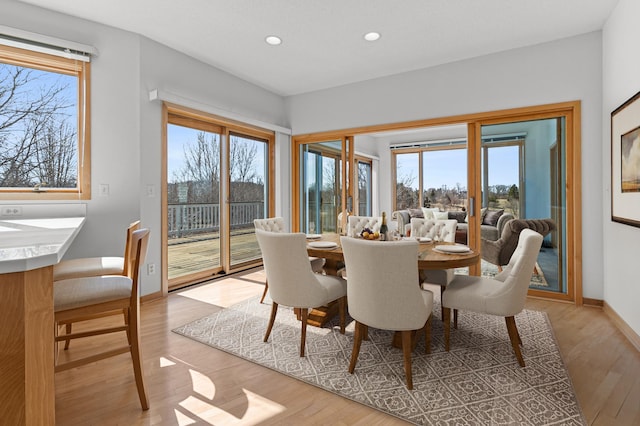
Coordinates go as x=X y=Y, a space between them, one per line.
x=27 y=244
x=29 y=247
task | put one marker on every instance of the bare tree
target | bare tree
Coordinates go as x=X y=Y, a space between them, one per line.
x=37 y=143
x=201 y=160
x=242 y=158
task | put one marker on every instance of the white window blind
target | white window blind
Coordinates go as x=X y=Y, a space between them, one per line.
x=44 y=44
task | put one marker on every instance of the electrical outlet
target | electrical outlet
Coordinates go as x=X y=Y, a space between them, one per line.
x=151 y=268
x=151 y=191
x=13 y=211
x=104 y=189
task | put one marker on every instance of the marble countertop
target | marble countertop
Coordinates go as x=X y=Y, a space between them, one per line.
x=27 y=244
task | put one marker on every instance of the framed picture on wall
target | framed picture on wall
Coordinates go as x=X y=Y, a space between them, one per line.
x=625 y=162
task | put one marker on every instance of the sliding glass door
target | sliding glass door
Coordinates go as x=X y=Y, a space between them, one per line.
x=524 y=175
x=217 y=182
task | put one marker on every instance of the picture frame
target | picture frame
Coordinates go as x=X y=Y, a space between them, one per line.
x=625 y=162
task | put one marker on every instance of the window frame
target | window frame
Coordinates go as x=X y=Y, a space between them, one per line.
x=82 y=71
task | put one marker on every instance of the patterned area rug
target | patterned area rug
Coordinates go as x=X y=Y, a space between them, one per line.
x=478 y=382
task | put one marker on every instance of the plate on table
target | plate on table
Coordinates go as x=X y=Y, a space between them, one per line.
x=452 y=249
x=424 y=239
x=323 y=244
x=314 y=236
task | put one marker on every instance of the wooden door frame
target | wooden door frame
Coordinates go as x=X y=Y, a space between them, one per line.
x=571 y=111
x=226 y=126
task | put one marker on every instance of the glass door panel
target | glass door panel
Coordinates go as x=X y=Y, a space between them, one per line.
x=407 y=181
x=193 y=201
x=364 y=188
x=321 y=186
x=524 y=174
x=248 y=172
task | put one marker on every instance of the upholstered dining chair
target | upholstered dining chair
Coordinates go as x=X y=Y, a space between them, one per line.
x=293 y=283
x=95 y=266
x=383 y=293
x=504 y=295
x=77 y=298
x=276 y=224
x=356 y=224
x=441 y=230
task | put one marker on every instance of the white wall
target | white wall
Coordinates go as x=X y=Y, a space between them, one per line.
x=126 y=126
x=620 y=82
x=564 y=70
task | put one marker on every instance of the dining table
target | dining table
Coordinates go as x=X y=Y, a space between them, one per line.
x=327 y=246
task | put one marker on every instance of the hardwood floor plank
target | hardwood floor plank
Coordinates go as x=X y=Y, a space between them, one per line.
x=190 y=383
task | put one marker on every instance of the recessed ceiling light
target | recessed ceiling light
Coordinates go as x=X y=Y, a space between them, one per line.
x=273 y=40
x=372 y=36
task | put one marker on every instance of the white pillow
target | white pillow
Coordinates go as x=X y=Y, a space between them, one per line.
x=442 y=215
x=429 y=213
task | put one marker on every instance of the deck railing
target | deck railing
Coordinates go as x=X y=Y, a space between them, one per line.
x=189 y=219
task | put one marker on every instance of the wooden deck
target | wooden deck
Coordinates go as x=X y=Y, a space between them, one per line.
x=199 y=252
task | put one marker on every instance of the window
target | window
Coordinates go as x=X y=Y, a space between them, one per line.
x=44 y=135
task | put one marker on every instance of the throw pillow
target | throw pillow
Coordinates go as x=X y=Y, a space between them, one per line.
x=458 y=215
x=442 y=215
x=429 y=212
x=416 y=213
x=491 y=217
x=482 y=213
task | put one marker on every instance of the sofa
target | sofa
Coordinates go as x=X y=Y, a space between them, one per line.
x=493 y=221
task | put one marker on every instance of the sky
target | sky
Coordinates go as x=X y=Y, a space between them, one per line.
x=449 y=167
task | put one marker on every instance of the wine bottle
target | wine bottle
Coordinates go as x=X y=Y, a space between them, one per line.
x=383 y=228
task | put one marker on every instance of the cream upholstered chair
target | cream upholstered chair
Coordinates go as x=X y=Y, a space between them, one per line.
x=293 y=283
x=77 y=298
x=383 y=293
x=441 y=230
x=356 y=224
x=504 y=295
x=276 y=224
x=95 y=266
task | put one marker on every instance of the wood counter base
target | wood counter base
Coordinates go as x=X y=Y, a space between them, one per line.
x=27 y=394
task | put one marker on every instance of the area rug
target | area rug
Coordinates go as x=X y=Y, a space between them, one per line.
x=478 y=382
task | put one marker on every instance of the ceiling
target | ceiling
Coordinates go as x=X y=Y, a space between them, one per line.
x=323 y=43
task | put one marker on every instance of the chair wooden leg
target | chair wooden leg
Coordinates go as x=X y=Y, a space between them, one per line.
x=455 y=319
x=427 y=335
x=365 y=332
x=447 y=327
x=272 y=319
x=357 y=341
x=67 y=329
x=134 y=332
x=264 y=293
x=303 y=332
x=406 y=352
x=499 y=268
x=342 y=308
x=441 y=293
x=514 y=336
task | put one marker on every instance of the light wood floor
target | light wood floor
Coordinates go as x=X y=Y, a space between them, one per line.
x=190 y=383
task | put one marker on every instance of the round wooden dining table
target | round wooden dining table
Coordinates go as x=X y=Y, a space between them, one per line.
x=428 y=258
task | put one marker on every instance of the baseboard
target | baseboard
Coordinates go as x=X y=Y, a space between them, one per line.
x=624 y=328
x=592 y=302
x=151 y=296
